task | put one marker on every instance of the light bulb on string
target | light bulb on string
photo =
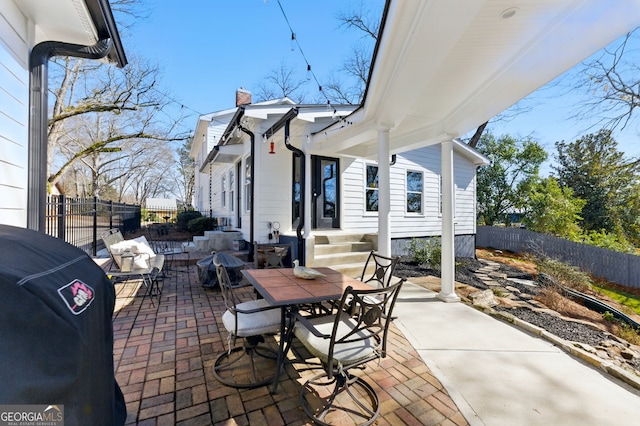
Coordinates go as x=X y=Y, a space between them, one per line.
x=308 y=72
x=328 y=106
x=293 y=42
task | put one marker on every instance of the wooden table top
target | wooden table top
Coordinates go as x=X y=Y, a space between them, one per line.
x=280 y=287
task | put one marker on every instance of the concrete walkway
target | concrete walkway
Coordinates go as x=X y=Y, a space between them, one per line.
x=498 y=374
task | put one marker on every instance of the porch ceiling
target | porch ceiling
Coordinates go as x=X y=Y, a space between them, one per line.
x=442 y=68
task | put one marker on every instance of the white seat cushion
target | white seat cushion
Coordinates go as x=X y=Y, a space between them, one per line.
x=139 y=247
x=346 y=353
x=254 y=324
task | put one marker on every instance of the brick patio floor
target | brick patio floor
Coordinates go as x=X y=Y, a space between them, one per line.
x=164 y=350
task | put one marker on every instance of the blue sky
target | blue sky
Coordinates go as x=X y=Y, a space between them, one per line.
x=207 y=49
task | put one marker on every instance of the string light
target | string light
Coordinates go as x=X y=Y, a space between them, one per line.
x=310 y=74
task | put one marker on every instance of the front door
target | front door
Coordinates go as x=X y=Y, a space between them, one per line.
x=325 y=192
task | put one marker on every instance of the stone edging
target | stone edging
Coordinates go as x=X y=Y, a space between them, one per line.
x=572 y=348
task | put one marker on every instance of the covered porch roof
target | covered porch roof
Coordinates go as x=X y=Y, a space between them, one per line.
x=442 y=68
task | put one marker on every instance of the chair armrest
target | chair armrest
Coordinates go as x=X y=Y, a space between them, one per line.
x=307 y=324
x=157 y=261
x=260 y=304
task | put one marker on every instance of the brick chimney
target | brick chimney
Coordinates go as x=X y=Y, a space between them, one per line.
x=243 y=97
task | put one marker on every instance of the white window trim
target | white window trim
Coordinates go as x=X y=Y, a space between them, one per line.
x=223 y=197
x=421 y=213
x=366 y=212
x=232 y=204
x=245 y=186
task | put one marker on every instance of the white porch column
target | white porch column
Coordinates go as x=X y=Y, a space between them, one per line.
x=384 y=193
x=448 y=265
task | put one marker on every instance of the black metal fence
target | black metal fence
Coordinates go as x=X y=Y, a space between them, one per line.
x=160 y=214
x=81 y=221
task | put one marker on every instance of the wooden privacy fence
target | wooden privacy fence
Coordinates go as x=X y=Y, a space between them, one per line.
x=620 y=268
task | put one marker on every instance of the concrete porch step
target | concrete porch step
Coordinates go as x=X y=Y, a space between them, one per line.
x=339 y=237
x=336 y=259
x=344 y=247
x=353 y=270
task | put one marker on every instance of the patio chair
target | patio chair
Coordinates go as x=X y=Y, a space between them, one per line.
x=134 y=259
x=383 y=268
x=252 y=364
x=272 y=255
x=343 y=342
x=157 y=238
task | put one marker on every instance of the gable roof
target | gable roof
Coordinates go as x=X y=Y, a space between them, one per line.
x=442 y=68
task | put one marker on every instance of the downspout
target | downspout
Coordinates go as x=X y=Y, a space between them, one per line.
x=284 y=121
x=253 y=187
x=302 y=190
x=38 y=118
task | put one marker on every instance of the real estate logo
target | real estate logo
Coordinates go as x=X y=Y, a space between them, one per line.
x=32 y=415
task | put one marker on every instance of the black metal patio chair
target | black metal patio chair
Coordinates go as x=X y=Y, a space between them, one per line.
x=252 y=364
x=355 y=335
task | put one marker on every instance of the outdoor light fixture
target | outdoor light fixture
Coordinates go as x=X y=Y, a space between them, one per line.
x=273 y=148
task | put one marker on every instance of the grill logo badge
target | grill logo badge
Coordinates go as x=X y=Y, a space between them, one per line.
x=77 y=296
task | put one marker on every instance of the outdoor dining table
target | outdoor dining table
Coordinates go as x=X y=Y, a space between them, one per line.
x=280 y=287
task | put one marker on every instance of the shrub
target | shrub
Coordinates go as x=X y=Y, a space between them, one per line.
x=564 y=273
x=426 y=251
x=201 y=224
x=183 y=219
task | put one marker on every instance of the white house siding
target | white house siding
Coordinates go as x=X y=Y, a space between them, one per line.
x=273 y=197
x=465 y=181
x=354 y=217
x=406 y=225
x=218 y=170
x=14 y=115
x=207 y=135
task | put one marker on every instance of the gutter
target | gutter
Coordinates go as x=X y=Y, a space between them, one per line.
x=108 y=45
x=383 y=21
x=211 y=156
x=235 y=120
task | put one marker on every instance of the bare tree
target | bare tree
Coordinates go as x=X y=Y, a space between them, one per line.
x=186 y=173
x=100 y=109
x=611 y=82
x=279 y=83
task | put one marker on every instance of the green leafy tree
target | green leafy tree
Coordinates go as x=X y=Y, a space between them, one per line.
x=597 y=172
x=502 y=186
x=552 y=209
